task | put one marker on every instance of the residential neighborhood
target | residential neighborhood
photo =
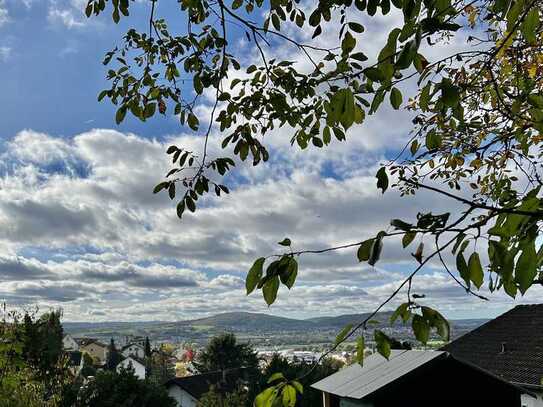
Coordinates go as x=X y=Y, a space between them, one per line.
x=498 y=363
x=271 y=203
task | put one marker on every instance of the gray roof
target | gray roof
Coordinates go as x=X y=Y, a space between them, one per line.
x=358 y=381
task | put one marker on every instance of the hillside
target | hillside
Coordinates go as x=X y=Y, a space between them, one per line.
x=257 y=327
x=248 y=320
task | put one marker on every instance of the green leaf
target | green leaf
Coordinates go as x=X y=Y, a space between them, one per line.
x=149 y=110
x=421 y=328
x=383 y=343
x=285 y=242
x=348 y=43
x=526 y=268
x=269 y=290
x=364 y=250
x=374 y=74
x=298 y=386
x=376 y=248
x=462 y=268
x=442 y=326
x=266 y=397
x=433 y=140
x=190 y=204
x=450 y=94
x=161 y=186
x=288 y=278
x=119 y=116
x=402 y=311
x=343 y=333
x=382 y=179
x=276 y=376
x=476 y=273
x=171 y=190
x=530 y=25
x=360 y=347
x=356 y=27
x=408 y=238
x=180 y=209
x=193 y=121
x=396 y=98
x=400 y=224
x=254 y=275
x=289 y=396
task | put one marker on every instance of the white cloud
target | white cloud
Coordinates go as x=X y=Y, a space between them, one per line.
x=4 y=14
x=5 y=53
x=69 y=14
x=81 y=211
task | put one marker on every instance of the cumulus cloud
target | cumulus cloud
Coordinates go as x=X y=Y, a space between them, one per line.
x=68 y=14
x=80 y=227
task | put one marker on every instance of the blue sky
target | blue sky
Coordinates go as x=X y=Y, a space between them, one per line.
x=80 y=228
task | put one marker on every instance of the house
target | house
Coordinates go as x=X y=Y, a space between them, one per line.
x=417 y=378
x=135 y=363
x=189 y=389
x=509 y=347
x=69 y=343
x=133 y=349
x=96 y=349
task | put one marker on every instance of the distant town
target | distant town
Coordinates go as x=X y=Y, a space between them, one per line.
x=297 y=340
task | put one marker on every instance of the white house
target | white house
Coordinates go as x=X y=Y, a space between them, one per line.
x=69 y=343
x=186 y=391
x=134 y=363
x=182 y=397
x=134 y=349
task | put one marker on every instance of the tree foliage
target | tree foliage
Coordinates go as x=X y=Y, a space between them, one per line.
x=214 y=398
x=33 y=371
x=225 y=352
x=476 y=136
x=114 y=357
x=123 y=388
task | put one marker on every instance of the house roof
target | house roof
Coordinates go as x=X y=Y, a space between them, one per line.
x=198 y=385
x=88 y=341
x=132 y=344
x=358 y=381
x=510 y=346
x=74 y=358
x=135 y=359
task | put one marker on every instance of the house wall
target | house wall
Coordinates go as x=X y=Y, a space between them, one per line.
x=182 y=398
x=134 y=350
x=95 y=351
x=529 y=401
x=69 y=343
x=139 y=369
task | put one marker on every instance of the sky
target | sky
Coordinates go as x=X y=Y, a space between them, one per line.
x=80 y=228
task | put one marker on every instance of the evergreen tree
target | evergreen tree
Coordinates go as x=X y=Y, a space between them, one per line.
x=113 y=356
x=147 y=347
x=122 y=388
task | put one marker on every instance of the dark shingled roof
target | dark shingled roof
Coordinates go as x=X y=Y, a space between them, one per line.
x=74 y=358
x=510 y=346
x=198 y=385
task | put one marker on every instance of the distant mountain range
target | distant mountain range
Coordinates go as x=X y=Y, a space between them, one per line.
x=246 y=322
